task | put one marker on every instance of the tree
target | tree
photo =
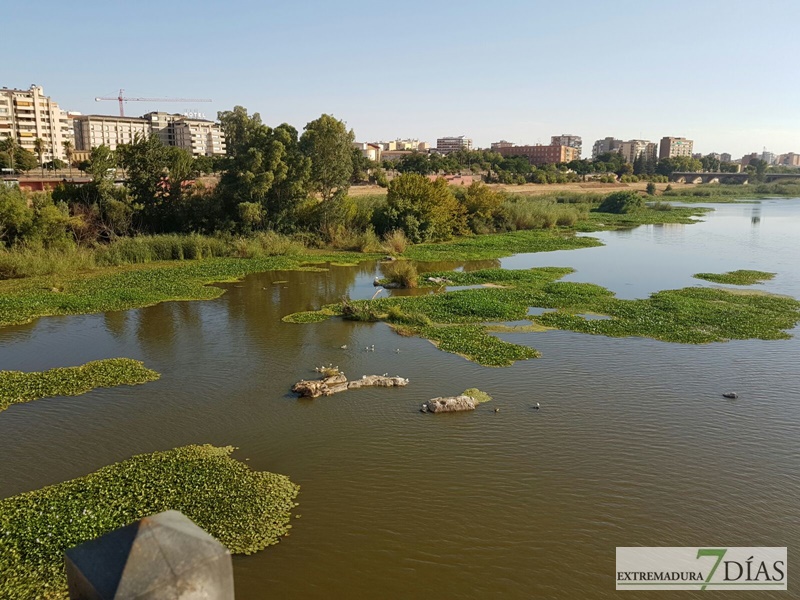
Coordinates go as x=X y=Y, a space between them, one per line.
x=328 y=143
x=69 y=152
x=101 y=164
x=621 y=203
x=710 y=163
x=425 y=210
x=639 y=164
x=416 y=162
x=651 y=189
x=9 y=147
x=264 y=166
x=38 y=147
x=758 y=167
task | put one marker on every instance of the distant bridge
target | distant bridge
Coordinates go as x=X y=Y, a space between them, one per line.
x=741 y=178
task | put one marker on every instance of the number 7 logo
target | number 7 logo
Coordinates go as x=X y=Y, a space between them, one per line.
x=719 y=553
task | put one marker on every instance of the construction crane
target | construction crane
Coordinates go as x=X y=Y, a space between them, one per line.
x=122 y=100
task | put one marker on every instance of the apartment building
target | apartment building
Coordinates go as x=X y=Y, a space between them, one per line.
x=790 y=159
x=632 y=149
x=605 y=146
x=542 y=155
x=92 y=131
x=675 y=146
x=502 y=144
x=567 y=139
x=725 y=157
x=199 y=136
x=452 y=144
x=370 y=150
x=27 y=115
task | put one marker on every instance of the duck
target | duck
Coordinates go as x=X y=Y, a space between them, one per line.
x=536 y=406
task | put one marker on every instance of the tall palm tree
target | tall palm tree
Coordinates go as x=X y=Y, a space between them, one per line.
x=69 y=152
x=38 y=147
x=10 y=145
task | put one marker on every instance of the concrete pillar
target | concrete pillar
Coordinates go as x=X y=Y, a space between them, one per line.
x=161 y=557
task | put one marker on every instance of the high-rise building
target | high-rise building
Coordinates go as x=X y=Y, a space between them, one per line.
x=567 y=139
x=725 y=157
x=28 y=115
x=605 y=146
x=92 y=131
x=675 y=146
x=198 y=136
x=452 y=144
x=790 y=159
x=632 y=149
x=501 y=144
x=768 y=157
x=542 y=155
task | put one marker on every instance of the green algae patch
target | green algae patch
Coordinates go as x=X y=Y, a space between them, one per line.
x=478 y=396
x=740 y=277
x=245 y=510
x=462 y=321
x=18 y=386
x=474 y=343
x=308 y=316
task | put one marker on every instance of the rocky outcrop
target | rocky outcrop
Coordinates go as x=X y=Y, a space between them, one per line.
x=327 y=386
x=449 y=404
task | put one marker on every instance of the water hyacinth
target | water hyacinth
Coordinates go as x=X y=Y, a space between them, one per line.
x=18 y=386
x=740 y=277
x=458 y=321
x=245 y=510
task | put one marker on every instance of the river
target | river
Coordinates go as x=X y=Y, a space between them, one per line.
x=633 y=444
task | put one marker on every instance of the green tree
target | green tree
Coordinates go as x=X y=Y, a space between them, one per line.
x=9 y=147
x=416 y=162
x=264 y=166
x=69 y=153
x=639 y=167
x=651 y=188
x=328 y=143
x=38 y=147
x=710 y=163
x=101 y=166
x=621 y=203
x=425 y=210
x=758 y=167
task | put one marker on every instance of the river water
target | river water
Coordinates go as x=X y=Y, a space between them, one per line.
x=633 y=445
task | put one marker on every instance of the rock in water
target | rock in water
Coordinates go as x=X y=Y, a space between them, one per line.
x=733 y=395
x=327 y=386
x=451 y=404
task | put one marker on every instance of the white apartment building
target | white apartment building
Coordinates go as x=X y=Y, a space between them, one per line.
x=92 y=131
x=198 y=136
x=633 y=148
x=451 y=144
x=27 y=115
x=606 y=145
x=567 y=139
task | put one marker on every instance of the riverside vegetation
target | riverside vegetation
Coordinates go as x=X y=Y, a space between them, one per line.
x=18 y=386
x=245 y=510
x=462 y=321
x=740 y=277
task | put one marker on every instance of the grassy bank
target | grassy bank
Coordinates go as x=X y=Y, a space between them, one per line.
x=457 y=321
x=134 y=286
x=722 y=193
x=740 y=277
x=245 y=510
x=18 y=386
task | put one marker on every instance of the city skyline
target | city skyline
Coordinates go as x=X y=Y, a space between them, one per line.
x=516 y=71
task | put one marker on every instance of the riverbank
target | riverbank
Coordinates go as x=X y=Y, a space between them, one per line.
x=97 y=289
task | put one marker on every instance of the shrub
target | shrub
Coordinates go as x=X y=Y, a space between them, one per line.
x=395 y=241
x=427 y=211
x=621 y=203
x=401 y=272
x=651 y=188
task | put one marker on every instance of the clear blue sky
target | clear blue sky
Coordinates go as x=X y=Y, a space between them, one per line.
x=723 y=73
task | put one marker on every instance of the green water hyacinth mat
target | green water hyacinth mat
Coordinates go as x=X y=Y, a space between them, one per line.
x=741 y=277
x=19 y=386
x=245 y=510
x=462 y=321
